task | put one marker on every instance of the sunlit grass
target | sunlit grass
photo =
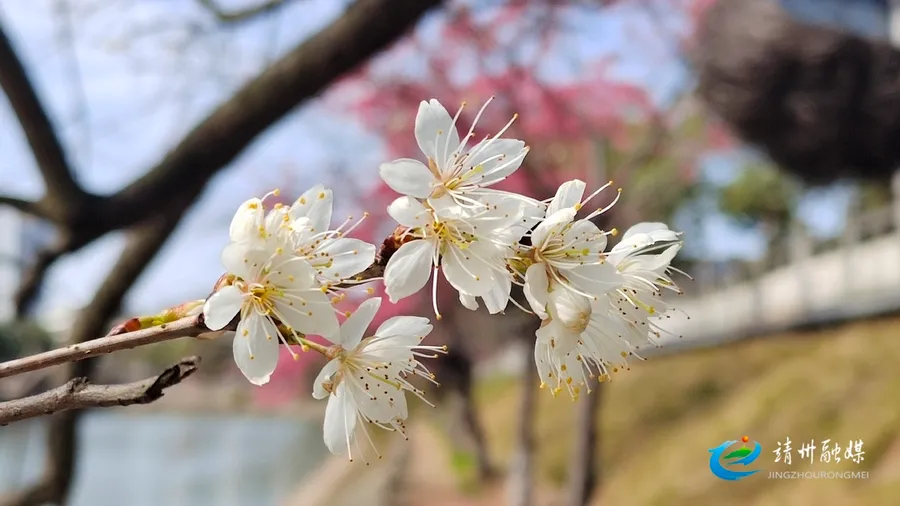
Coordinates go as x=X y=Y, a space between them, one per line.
x=660 y=418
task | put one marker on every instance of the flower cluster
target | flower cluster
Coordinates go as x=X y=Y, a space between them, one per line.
x=455 y=222
x=287 y=269
x=597 y=307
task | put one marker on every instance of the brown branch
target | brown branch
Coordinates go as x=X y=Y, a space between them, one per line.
x=26 y=206
x=186 y=327
x=45 y=146
x=366 y=28
x=119 y=338
x=33 y=279
x=244 y=14
x=79 y=393
x=62 y=445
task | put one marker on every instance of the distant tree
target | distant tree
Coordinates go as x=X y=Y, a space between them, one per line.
x=22 y=337
x=761 y=197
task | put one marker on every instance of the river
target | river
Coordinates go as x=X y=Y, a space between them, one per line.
x=173 y=460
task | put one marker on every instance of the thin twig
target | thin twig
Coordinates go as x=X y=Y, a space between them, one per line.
x=33 y=278
x=26 y=206
x=79 y=393
x=191 y=326
x=185 y=327
x=244 y=14
x=48 y=152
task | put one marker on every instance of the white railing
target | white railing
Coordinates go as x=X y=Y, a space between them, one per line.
x=814 y=283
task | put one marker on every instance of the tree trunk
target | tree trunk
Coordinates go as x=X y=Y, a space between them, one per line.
x=521 y=471
x=476 y=432
x=584 y=470
x=464 y=426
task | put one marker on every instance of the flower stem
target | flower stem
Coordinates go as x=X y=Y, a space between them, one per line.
x=310 y=345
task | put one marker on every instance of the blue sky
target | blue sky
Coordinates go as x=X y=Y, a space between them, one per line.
x=145 y=82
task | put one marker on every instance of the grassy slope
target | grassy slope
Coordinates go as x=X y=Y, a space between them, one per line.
x=660 y=418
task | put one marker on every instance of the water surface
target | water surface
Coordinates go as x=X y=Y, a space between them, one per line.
x=172 y=460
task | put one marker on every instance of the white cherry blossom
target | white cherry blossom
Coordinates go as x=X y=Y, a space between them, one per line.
x=568 y=252
x=462 y=242
x=270 y=286
x=367 y=380
x=451 y=169
x=579 y=340
x=643 y=258
x=335 y=257
x=250 y=223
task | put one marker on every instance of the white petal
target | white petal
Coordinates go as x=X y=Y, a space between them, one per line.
x=653 y=263
x=277 y=222
x=537 y=285
x=595 y=279
x=340 y=420
x=256 y=348
x=544 y=353
x=567 y=307
x=385 y=405
x=466 y=272
x=247 y=221
x=245 y=260
x=221 y=307
x=584 y=234
x=468 y=301
x=405 y=326
x=408 y=177
x=532 y=214
x=408 y=269
x=289 y=271
x=309 y=312
x=666 y=257
x=348 y=257
x=326 y=375
x=552 y=225
x=446 y=208
x=568 y=195
x=409 y=212
x=435 y=132
x=354 y=328
x=316 y=205
x=646 y=227
x=497 y=298
x=506 y=213
x=563 y=339
x=497 y=159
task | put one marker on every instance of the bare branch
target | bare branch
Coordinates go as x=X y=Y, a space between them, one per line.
x=120 y=339
x=244 y=14
x=62 y=444
x=26 y=206
x=186 y=327
x=33 y=279
x=366 y=28
x=47 y=150
x=79 y=393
